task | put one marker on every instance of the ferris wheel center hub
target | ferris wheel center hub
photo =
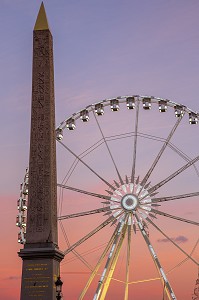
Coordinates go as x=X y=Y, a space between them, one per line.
x=129 y=202
x=130 y=198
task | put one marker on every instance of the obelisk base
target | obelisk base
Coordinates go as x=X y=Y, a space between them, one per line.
x=41 y=267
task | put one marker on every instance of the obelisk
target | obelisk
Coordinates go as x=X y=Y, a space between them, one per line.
x=41 y=257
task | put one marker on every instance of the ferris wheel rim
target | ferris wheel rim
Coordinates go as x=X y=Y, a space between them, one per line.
x=123 y=99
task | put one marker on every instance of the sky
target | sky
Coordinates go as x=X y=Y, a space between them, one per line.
x=103 y=49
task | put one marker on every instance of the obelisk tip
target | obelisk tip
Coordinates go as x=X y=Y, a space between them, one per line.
x=41 y=22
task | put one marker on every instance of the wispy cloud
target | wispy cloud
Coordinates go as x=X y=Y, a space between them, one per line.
x=179 y=239
x=12 y=278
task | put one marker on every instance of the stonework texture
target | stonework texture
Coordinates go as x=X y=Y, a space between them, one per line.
x=42 y=200
x=41 y=257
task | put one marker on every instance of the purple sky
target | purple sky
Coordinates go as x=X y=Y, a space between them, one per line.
x=102 y=49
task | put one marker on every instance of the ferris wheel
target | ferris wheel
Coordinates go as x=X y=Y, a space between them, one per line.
x=128 y=190
x=110 y=182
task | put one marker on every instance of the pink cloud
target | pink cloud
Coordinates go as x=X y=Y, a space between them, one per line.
x=179 y=239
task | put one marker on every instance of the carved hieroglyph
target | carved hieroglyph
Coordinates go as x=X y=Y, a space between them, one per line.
x=42 y=208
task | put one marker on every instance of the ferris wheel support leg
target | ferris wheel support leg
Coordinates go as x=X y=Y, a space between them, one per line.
x=113 y=263
x=128 y=260
x=99 y=263
x=108 y=262
x=166 y=283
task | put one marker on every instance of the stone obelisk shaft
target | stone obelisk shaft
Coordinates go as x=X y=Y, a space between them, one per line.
x=41 y=257
x=42 y=207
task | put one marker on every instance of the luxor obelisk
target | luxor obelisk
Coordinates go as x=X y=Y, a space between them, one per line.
x=41 y=257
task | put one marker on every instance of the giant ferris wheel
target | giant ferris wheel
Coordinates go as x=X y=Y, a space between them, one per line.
x=128 y=198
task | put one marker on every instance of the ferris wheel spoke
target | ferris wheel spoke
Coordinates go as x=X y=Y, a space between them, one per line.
x=165 y=281
x=145 y=179
x=85 y=213
x=78 y=256
x=163 y=199
x=85 y=164
x=90 y=234
x=95 y=270
x=83 y=191
x=109 y=260
x=109 y=151
x=158 y=212
x=135 y=143
x=128 y=259
x=176 y=173
x=171 y=240
x=184 y=260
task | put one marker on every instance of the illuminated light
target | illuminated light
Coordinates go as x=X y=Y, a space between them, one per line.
x=130 y=102
x=19 y=238
x=99 y=109
x=193 y=118
x=114 y=104
x=84 y=115
x=146 y=103
x=162 y=106
x=70 y=124
x=18 y=221
x=23 y=221
x=19 y=203
x=59 y=134
x=178 y=111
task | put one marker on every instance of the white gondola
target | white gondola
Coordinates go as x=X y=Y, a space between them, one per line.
x=21 y=220
x=59 y=134
x=21 y=237
x=25 y=190
x=99 y=109
x=178 y=111
x=146 y=103
x=84 y=115
x=162 y=106
x=22 y=204
x=193 y=118
x=114 y=104
x=70 y=124
x=130 y=102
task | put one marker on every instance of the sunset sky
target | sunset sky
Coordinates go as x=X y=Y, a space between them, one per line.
x=104 y=49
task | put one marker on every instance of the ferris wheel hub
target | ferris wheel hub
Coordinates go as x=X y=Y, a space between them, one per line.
x=130 y=198
x=129 y=202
